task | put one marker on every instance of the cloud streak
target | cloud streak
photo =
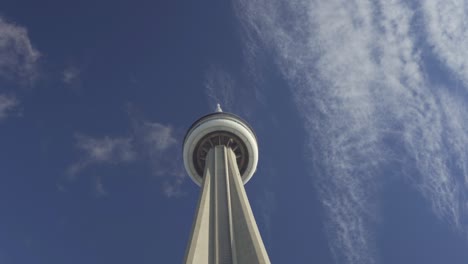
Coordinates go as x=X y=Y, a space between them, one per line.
x=18 y=63
x=159 y=145
x=338 y=112
x=8 y=106
x=358 y=82
x=151 y=142
x=71 y=75
x=447 y=28
x=18 y=58
x=104 y=150
x=219 y=88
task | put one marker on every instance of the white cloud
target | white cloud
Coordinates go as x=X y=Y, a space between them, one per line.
x=156 y=136
x=71 y=75
x=447 y=28
x=8 y=106
x=173 y=188
x=432 y=123
x=438 y=142
x=158 y=144
x=104 y=150
x=18 y=62
x=454 y=112
x=18 y=58
x=447 y=32
x=356 y=77
x=332 y=94
x=152 y=142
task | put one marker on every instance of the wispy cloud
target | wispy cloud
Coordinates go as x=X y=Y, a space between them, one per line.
x=446 y=181
x=71 y=75
x=434 y=141
x=99 y=187
x=219 y=87
x=158 y=143
x=160 y=147
x=18 y=58
x=447 y=28
x=157 y=137
x=173 y=188
x=104 y=150
x=224 y=88
x=18 y=63
x=151 y=142
x=357 y=80
x=333 y=96
x=8 y=106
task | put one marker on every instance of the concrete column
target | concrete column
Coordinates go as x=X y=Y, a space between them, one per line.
x=224 y=230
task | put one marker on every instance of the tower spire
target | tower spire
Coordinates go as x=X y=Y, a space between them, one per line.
x=218 y=108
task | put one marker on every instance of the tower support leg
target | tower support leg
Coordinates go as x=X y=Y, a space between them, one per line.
x=224 y=230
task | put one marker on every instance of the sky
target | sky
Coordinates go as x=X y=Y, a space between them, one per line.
x=360 y=109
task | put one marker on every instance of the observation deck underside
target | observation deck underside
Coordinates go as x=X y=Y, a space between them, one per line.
x=220 y=138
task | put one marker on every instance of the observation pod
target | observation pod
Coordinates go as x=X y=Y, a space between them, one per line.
x=220 y=155
x=224 y=129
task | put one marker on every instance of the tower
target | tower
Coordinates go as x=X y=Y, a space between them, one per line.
x=220 y=155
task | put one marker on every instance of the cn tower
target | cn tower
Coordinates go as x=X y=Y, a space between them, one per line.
x=220 y=155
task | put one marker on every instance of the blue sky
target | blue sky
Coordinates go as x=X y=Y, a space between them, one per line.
x=360 y=109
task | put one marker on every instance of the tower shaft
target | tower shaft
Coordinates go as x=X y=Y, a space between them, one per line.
x=224 y=230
